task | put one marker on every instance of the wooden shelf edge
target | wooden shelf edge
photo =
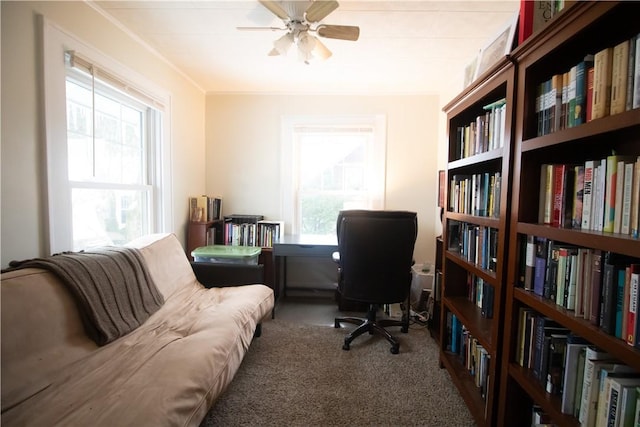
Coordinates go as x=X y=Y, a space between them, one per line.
x=466 y=386
x=469 y=315
x=550 y=404
x=613 y=345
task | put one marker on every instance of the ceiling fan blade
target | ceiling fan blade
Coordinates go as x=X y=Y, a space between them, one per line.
x=319 y=9
x=275 y=8
x=342 y=32
x=261 y=28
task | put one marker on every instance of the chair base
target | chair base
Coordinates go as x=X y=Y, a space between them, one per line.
x=373 y=325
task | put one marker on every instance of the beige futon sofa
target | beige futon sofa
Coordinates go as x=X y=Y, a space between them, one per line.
x=166 y=372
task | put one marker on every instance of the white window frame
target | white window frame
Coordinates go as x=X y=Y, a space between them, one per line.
x=290 y=200
x=55 y=43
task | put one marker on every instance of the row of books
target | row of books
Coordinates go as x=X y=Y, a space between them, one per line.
x=485 y=133
x=477 y=244
x=593 y=387
x=481 y=294
x=602 y=84
x=477 y=194
x=205 y=208
x=599 y=286
x=251 y=230
x=473 y=356
x=599 y=195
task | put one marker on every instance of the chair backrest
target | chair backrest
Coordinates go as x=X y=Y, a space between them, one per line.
x=376 y=254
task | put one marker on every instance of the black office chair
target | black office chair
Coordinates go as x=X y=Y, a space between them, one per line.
x=375 y=255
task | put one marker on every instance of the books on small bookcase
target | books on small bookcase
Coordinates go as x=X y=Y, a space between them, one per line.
x=251 y=230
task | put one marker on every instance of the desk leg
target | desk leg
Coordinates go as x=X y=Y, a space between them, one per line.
x=284 y=276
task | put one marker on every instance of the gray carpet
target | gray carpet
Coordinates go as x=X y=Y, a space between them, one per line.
x=298 y=375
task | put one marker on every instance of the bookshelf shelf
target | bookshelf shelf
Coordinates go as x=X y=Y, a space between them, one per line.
x=583 y=28
x=472 y=294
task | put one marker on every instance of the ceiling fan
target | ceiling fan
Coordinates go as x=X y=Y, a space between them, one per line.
x=301 y=18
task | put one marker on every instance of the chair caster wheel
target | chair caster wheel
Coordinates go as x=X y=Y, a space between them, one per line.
x=345 y=346
x=336 y=324
x=395 y=349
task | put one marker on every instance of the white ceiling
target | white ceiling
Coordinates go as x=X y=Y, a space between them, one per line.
x=405 y=47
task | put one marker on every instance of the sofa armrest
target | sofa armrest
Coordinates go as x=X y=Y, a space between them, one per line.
x=219 y=274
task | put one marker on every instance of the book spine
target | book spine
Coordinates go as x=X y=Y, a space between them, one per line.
x=596 y=276
x=625 y=219
x=587 y=194
x=632 y=315
x=610 y=193
x=619 y=70
x=602 y=83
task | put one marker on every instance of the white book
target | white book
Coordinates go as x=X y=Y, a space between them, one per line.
x=627 y=404
x=606 y=374
x=617 y=214
x=627 y=186
x=612 y=397
x=572 y=351
x=587 y=194
x=593 y=359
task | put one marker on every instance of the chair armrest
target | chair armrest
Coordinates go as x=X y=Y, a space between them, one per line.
x=219 y=274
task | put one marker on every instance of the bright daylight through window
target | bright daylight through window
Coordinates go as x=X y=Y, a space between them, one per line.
x=332 y=164
x=111 y=142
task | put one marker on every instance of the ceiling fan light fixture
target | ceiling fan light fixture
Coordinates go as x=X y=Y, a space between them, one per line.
x=282 y=45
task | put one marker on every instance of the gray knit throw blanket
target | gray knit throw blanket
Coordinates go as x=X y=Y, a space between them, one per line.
x=112 y=287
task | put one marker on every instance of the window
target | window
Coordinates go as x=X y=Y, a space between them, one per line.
x=107 y=163
x=330 y=164
x=110 y=137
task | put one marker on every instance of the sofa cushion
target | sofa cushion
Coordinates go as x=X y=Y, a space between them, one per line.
x=168 y=372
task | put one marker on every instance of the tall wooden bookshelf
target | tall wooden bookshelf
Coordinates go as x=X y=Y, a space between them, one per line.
x=581 y=29
x=476 y=200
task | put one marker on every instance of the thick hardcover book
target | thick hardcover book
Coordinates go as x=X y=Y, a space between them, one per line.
x=551 y=282
x=563 y=257
x=530 y=255
x=580 y=112
x=635 y=197
x=619 y=75
x=602 y=83
x=632 y=314
x=561 y=186
x=540 y=268
x=555 y=364
x=594 y=358
x=596 y=284
x=636 y=75
x=627 y=195
x=611 y=190
x=575 y=345
x=611 y=265
x=587 y=194
x=578 y=194
x=589 y=100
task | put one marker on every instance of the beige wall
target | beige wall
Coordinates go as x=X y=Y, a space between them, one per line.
x=243 y=151
x=238 y=159
x=23 y=215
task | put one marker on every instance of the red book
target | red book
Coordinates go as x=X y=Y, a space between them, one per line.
x=562 y=195
x=525 y=20
x=632 y=313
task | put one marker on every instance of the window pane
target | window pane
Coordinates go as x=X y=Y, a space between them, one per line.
x=79 y=131
x=108 y=217
x=118 y=153
x=332 y=177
